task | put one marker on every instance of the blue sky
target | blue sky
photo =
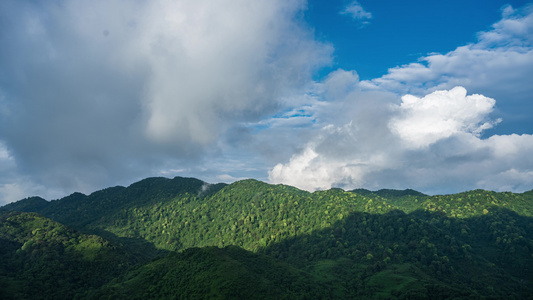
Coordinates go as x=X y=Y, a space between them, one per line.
x=434 y=96
x=399 y=32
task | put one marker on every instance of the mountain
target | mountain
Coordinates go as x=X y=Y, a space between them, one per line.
x=32 y=204
x=276 y=241
x=211 y=272
x=406 y=200
x=39 y=255
x=389 y=193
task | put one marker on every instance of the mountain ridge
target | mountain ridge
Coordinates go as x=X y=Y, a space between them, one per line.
x=392 y=243
x=385 y=192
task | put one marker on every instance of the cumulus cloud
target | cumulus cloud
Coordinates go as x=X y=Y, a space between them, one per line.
x=499 y=65
x=431 y=143
x=357 y=12
x=425 y=131
x=417 y=126
x=439 y=115
x=322 y=165
x=94 y=93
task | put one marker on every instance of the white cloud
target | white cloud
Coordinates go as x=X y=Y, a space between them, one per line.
x=515 y=23
x=340 y=83
x=431 y=144
x=223 y=62
x=97 y=93
x=441 y=114
x=120 y=88
x=228 y=178
x=511 y=146
x=509 y=180
x=490 y=70
x=357 y=12
x=435 y=138
x=316 y=169
x=499 y=65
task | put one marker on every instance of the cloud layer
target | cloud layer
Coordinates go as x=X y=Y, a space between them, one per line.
x=98 y=93
x=418 y=127
x=498 y=65
x=91 y=91
x=432 y=144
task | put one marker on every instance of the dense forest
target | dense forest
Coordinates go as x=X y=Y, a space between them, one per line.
x=183 y=238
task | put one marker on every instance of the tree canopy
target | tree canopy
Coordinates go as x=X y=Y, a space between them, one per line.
x=184 y=238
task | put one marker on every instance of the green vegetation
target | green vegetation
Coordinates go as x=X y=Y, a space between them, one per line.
x=211 y=272
x=40 y=259
x=182 y=238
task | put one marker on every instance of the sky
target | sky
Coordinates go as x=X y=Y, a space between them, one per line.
x=435 y=96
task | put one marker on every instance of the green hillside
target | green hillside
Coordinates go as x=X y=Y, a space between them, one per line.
x=382 y=244
x=42 y=259
x=216 y=273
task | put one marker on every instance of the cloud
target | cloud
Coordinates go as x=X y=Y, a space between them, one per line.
x=499 y=65
x=221 y=75
x=439 y=115
x=417 y=127
x=508 y=180
x=357 y=12
x=98 y=93
x=8 y=190
x=13 y=185
x=95 y=93
x=515 y=23
x=432 y=144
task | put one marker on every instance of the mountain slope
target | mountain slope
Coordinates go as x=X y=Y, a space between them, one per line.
x=40 y=258
x=216 y=273
x=388 y=244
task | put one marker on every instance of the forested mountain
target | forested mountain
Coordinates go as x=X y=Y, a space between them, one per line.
x=42 y=259
x=184 y=238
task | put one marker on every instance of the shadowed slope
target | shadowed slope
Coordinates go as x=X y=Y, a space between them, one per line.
x=41 y=259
